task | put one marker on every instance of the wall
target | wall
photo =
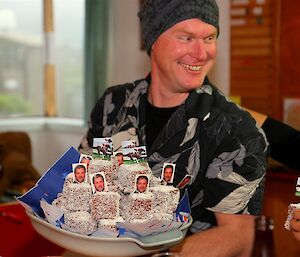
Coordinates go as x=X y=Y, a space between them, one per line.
x=220 y=74
x=129 y=62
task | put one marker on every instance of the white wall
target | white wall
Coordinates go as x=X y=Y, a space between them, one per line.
x=220 y=74
x=129 y=62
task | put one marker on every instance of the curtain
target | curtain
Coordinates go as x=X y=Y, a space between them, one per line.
x=96 y=49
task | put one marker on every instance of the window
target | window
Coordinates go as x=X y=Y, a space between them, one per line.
x=69 y=58
x=22 y=57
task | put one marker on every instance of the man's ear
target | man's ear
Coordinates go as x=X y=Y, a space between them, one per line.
x=153 y=45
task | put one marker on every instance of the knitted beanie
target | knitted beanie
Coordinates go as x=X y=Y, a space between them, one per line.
x=159 y=15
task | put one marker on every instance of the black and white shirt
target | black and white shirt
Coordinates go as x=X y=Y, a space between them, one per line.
x=207 y=137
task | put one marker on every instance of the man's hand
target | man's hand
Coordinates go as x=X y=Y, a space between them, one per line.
x=295 y=224
x=233 y=237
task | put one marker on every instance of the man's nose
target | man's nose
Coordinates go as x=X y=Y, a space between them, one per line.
x=199 y=50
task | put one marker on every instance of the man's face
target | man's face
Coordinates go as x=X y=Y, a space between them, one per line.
x=99 y=184
x=168 y=172
x=120 y=159
x=142 y=185
x=183 y=55
x=86 y=160
x=80 y=174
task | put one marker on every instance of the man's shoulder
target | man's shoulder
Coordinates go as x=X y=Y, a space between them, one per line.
x=125 y=87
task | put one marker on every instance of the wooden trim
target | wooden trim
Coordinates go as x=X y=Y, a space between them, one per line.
x=251 y=31
x=48 y=16
x=49 y=68
x=50 y=93
x=259 y=52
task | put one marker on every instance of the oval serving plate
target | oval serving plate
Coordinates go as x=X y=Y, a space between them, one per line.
x=108 y=247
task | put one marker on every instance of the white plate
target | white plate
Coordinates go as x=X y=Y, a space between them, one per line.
x=108 y=247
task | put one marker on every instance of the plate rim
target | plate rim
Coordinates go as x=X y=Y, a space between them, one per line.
x=181 y=236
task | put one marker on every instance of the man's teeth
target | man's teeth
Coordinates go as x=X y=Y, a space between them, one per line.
x=191 y=67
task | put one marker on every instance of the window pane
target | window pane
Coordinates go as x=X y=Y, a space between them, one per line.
x=21 y=58
x=69 y=39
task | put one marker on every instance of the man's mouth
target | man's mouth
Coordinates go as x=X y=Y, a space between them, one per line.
x=191 y=67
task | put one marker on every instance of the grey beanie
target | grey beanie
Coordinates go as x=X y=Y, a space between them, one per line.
x=159 y=15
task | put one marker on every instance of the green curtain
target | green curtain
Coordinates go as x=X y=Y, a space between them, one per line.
x=95 y=57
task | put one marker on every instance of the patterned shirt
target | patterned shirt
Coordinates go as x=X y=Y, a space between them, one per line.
x=207 y=137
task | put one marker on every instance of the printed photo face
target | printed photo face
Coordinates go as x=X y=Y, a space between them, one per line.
x=84 y=158
x=98 y=182
x=119 y=156
x=168 y=172
x=142 y=182
x=79 y=171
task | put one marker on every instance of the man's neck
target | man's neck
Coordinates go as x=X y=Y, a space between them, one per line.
x=159 y=97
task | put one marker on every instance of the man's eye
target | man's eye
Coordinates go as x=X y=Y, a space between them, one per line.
x=210 y=39
x=185 y=38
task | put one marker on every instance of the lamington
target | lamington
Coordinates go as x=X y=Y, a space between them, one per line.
x=127 y=174
x=110 y=224
x=77 y=196
x=136 y=206
x=79 y=222
x=105 y=205
x=61 y=201
x=69 y=179
x=165 y=199
x=108 y=167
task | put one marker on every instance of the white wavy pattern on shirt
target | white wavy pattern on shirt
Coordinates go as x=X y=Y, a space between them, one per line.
x=194 y=161
x=122 y=118
x=204 y=89
x=222 y=168
x=190 y=131
x=223 y=164
x=108 y=108
x=238 y=199
x=133 y=98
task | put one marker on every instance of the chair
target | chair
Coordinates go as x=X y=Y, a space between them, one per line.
x=17 y=173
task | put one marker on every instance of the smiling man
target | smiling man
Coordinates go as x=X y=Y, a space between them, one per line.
x=185 y=120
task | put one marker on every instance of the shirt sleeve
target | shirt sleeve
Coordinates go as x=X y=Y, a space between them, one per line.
x=235 y=177
x=284 y=142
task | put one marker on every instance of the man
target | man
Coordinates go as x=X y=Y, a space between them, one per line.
x=183 y=119
x=284 y=143
x=141 y=184
x=79 y=173
x=168 y=173
x=284 y=140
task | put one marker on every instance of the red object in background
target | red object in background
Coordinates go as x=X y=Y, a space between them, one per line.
x=17 y=236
